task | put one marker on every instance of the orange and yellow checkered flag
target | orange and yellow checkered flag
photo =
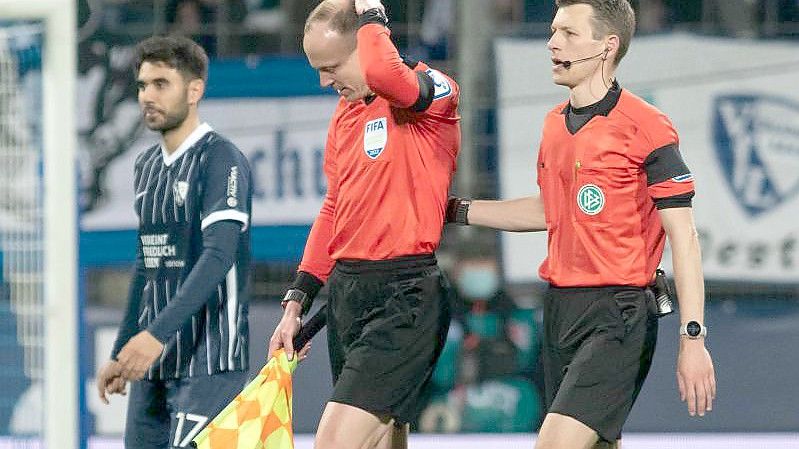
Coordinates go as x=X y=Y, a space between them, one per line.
x=260 y=416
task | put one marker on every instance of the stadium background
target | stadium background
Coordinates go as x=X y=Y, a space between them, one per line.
x=724 y=70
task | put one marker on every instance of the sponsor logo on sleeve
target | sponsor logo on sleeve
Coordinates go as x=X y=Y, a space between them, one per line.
x=441 y=83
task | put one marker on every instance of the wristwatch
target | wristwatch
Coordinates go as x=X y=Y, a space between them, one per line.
x=693 y=330
x=297 y=296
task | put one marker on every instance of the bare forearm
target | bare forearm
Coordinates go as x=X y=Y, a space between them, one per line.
x=688 y=278
x=687 y=263
x=518 y=215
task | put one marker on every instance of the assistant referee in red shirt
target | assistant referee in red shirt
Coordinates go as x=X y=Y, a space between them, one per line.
x=613 y=186
x=389 y=159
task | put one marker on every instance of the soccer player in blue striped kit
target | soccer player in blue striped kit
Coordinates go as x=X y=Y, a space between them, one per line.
x=183 y=343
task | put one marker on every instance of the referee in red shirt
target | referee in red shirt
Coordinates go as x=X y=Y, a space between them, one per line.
x=389 y=159
x=613 y=186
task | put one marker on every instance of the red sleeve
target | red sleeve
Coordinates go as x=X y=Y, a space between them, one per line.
x=316 y=258
x=385 y=73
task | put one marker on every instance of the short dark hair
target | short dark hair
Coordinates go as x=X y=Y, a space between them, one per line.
x=180 y=53
x=610 y=17
x=341 y=20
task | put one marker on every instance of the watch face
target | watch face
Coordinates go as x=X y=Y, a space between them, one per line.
x=693 y=328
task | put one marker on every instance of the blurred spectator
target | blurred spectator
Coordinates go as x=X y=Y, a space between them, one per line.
x=193 y=19
x=735 y=18
x=211 y=23
x=266 y=16
x=437 y=26
x=652 y=16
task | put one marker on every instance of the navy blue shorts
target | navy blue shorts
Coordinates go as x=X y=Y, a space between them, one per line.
x=169 y=414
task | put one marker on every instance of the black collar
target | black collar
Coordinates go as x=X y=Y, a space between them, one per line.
x=576 y=118
x=601 y=107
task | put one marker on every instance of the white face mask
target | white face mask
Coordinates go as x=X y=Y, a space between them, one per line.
x=478 y=282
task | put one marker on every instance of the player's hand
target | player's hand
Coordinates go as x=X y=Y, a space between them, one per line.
x=109 y=380
x=286 y=330
x=695 y=376
x=138 y=354
x=361 y=6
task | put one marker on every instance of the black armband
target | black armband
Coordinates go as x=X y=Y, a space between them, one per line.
x=374 y=15
x=458 y=211
x=670 y=202
x=427 y=90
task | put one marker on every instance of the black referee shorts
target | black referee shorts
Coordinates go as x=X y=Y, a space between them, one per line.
x=387 y=323
x=598 y=347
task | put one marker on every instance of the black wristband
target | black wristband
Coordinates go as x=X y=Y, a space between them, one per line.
x=374 y=15
x=458 y=211
x=303 y=290
x=307 y=283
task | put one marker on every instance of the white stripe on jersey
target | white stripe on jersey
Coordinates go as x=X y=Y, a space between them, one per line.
x=157 y=189
x=167 y=195
x=193 y=342
x=227 y=214
x=188 y=176
x=191 y=139
x=221 y=319
x=232 y=314
x=151 y=164
x=208 y=340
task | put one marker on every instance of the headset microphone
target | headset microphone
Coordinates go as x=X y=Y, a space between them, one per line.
x=568 y=64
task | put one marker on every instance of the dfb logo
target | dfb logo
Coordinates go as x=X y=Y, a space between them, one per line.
x=757 y=143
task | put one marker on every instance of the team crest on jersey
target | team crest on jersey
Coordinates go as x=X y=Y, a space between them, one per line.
x=441 y=83
x=375 y=136
x=181 y=190
x=757 y=144
x=590 y=199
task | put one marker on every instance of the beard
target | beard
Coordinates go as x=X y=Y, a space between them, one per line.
x=167 y=120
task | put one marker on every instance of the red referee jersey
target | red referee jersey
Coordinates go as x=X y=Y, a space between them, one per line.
x=388 y=169
x=603 y=227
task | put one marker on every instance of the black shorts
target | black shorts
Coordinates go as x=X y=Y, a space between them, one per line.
x=597 y=349
x=170 y=413
x=387 y=323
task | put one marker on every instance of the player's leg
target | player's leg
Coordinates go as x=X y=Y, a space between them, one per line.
x=564 y=432
x=195 y=401
x=147 y=422
x=347 y=427
x=394 y=438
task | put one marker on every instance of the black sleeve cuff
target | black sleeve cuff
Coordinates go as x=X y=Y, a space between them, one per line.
x=307 y=283
x=374 y=15
x=670 y=202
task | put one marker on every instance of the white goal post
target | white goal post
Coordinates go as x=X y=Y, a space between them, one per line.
x=59 y=71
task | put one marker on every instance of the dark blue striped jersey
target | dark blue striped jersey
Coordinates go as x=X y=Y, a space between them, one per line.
x=206 y=180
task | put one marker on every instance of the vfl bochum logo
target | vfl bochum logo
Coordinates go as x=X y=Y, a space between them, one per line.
x=375 y=136
x=757 y=143
x=590 y=199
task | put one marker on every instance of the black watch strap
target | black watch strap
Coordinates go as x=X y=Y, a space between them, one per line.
x=298 y=296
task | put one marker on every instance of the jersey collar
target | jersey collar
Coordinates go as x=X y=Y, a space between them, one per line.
x=193 y=138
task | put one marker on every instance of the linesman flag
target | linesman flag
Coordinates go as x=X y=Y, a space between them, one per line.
x=260 y=416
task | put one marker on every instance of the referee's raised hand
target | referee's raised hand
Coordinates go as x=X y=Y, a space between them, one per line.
x=361 y=6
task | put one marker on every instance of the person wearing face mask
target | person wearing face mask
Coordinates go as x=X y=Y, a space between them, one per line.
x=613 y=187
x=389 y=159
